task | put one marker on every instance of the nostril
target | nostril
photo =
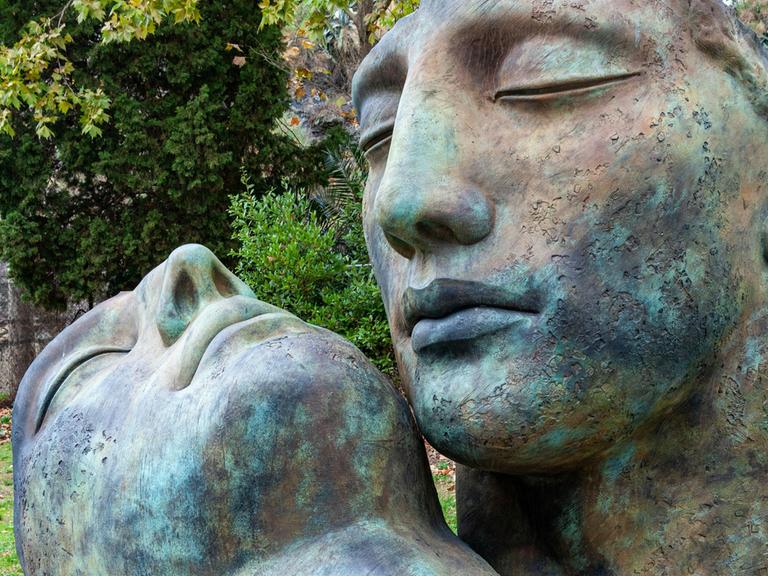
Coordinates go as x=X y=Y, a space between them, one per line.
x=185 y=296
x=427 y=216
x=193 y=279
x=400 y=246
x=436 y=231
x=224 y=284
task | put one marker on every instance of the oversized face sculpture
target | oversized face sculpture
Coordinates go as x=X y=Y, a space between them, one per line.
x=188 y=428
x=563 y=213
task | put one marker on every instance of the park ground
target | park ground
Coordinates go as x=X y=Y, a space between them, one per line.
x=9 y=563
x=443 y=472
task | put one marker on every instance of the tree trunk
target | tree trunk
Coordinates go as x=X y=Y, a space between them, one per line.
x=364 y=9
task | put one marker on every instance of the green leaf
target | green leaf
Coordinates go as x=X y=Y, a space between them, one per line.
x=43 y=131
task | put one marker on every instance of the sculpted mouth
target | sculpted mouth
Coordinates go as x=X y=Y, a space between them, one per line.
x=212 y=322
x=189 y=349
x=445 y=297
x=452 y=311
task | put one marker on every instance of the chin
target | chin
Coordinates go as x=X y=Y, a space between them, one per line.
x=492 y=441
x=513 y=414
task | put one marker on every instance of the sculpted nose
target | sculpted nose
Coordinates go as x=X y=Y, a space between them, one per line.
x=426 y=200
x=194 y=278
x=423 y=217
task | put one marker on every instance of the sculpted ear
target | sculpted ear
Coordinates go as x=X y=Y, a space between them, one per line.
x=718 y=33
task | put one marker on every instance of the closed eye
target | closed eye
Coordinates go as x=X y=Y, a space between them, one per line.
x=564 y=88
x=65 y=372
x=377 y=139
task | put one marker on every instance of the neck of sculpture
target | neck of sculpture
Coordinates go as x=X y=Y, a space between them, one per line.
x=689 y=493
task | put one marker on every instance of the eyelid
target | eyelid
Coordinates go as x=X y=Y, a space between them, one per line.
x=64 y=372
x=373 y=139
x=568 y=87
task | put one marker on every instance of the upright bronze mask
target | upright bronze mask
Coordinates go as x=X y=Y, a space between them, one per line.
x=566 y=213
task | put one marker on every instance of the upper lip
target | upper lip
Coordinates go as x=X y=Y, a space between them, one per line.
x=443 y=297
x=194 y=342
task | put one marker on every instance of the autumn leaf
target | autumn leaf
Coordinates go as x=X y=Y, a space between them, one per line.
x=304 y=73
x=291 y=53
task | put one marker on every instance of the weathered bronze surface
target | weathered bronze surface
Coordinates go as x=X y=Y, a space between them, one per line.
x=567 y=216
x=186 y=428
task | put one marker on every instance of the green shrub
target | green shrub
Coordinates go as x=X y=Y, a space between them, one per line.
x=311 y=260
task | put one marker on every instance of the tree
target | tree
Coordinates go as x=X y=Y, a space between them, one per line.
x=35 y=71
x=370 y=17
x=82 y=218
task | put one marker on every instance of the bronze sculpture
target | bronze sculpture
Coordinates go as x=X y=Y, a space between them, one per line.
x=566 y=216
x=187 y=428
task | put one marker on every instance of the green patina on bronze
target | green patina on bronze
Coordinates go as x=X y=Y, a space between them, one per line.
x=187 y=428
x=568 y=217
x=610 y=418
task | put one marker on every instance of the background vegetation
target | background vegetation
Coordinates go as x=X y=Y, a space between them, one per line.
x=304 y=250
x=84 y=218
x=755 y=13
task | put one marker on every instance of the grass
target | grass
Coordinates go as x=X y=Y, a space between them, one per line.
x=9 y=563
x=445 y=491
x=444 y=475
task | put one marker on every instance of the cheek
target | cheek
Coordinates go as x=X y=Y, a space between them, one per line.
x=642 y=289
x=650 y=287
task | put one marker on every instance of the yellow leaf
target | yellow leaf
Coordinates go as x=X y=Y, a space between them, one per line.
x=292 y=52
x=304 y=73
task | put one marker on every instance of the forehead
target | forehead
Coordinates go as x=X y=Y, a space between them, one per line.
x=471 y=31
x=435 y=14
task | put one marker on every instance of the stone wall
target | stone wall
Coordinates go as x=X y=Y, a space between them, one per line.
x=24 y=332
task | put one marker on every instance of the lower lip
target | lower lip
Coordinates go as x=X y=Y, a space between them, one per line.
x=464 y=326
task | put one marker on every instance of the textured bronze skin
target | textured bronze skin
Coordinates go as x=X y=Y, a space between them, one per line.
x=567 y=217
x=188 y=429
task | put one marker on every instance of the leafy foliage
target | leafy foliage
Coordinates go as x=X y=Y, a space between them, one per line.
x=35 y=72
x=314 y=15
x=83 y=218
x=306 y=253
